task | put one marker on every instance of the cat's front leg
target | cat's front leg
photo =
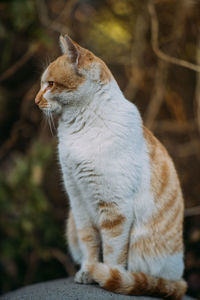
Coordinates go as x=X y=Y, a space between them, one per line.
x=89 y=242
x=115 y=226
x=86 y=234
x=90 y=246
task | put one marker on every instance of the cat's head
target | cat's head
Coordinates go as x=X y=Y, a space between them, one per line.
x=71 y=78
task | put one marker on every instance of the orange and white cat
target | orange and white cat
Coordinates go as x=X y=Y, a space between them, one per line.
x=126 y=219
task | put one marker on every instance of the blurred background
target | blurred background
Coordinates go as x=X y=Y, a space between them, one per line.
x=139 y=41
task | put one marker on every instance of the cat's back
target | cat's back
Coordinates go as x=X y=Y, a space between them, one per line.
x=163 y=173
x=168 y=198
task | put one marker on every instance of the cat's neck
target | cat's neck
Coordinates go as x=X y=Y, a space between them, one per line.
x=107 y=108
x=97 y=101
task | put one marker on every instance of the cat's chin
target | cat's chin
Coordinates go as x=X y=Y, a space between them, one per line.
x=52 y=110
x=53 y=113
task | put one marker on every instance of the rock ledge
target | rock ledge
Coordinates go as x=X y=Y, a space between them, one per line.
x=66 y=289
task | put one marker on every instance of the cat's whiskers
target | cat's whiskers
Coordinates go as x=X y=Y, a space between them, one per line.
x=52 y=120
x=44 y=121
x=49 y=118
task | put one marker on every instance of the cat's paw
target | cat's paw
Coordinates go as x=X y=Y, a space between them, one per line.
x=83 y=276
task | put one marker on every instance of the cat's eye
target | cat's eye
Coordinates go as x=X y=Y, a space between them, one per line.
x=50 y=83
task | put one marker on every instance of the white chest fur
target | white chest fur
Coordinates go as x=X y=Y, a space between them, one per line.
x=104 y=157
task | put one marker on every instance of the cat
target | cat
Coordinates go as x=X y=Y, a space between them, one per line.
x=125 y=224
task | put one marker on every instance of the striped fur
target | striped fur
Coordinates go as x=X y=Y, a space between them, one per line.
x=128 y=283
x=125 y=196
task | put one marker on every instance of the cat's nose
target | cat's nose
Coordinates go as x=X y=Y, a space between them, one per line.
x=38 y=97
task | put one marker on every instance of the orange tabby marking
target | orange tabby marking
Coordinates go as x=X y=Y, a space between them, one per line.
x=114 y=281
x=64 y=75
x=88 y=236
x=110 y=224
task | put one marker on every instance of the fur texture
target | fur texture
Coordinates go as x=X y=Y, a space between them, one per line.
x=125 y=196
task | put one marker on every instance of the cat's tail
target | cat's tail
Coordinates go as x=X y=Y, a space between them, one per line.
x=121 y=281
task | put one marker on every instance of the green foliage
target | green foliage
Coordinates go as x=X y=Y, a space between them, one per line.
x=27 y=221
x=22 y=13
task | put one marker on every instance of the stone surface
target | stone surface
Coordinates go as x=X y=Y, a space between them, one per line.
x=66 y=289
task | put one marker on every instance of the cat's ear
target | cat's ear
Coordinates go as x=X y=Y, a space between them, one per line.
x=68 y=47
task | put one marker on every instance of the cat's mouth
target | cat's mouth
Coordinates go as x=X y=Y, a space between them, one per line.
x=43 y=107
x=47 y=108
x=50 y=109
